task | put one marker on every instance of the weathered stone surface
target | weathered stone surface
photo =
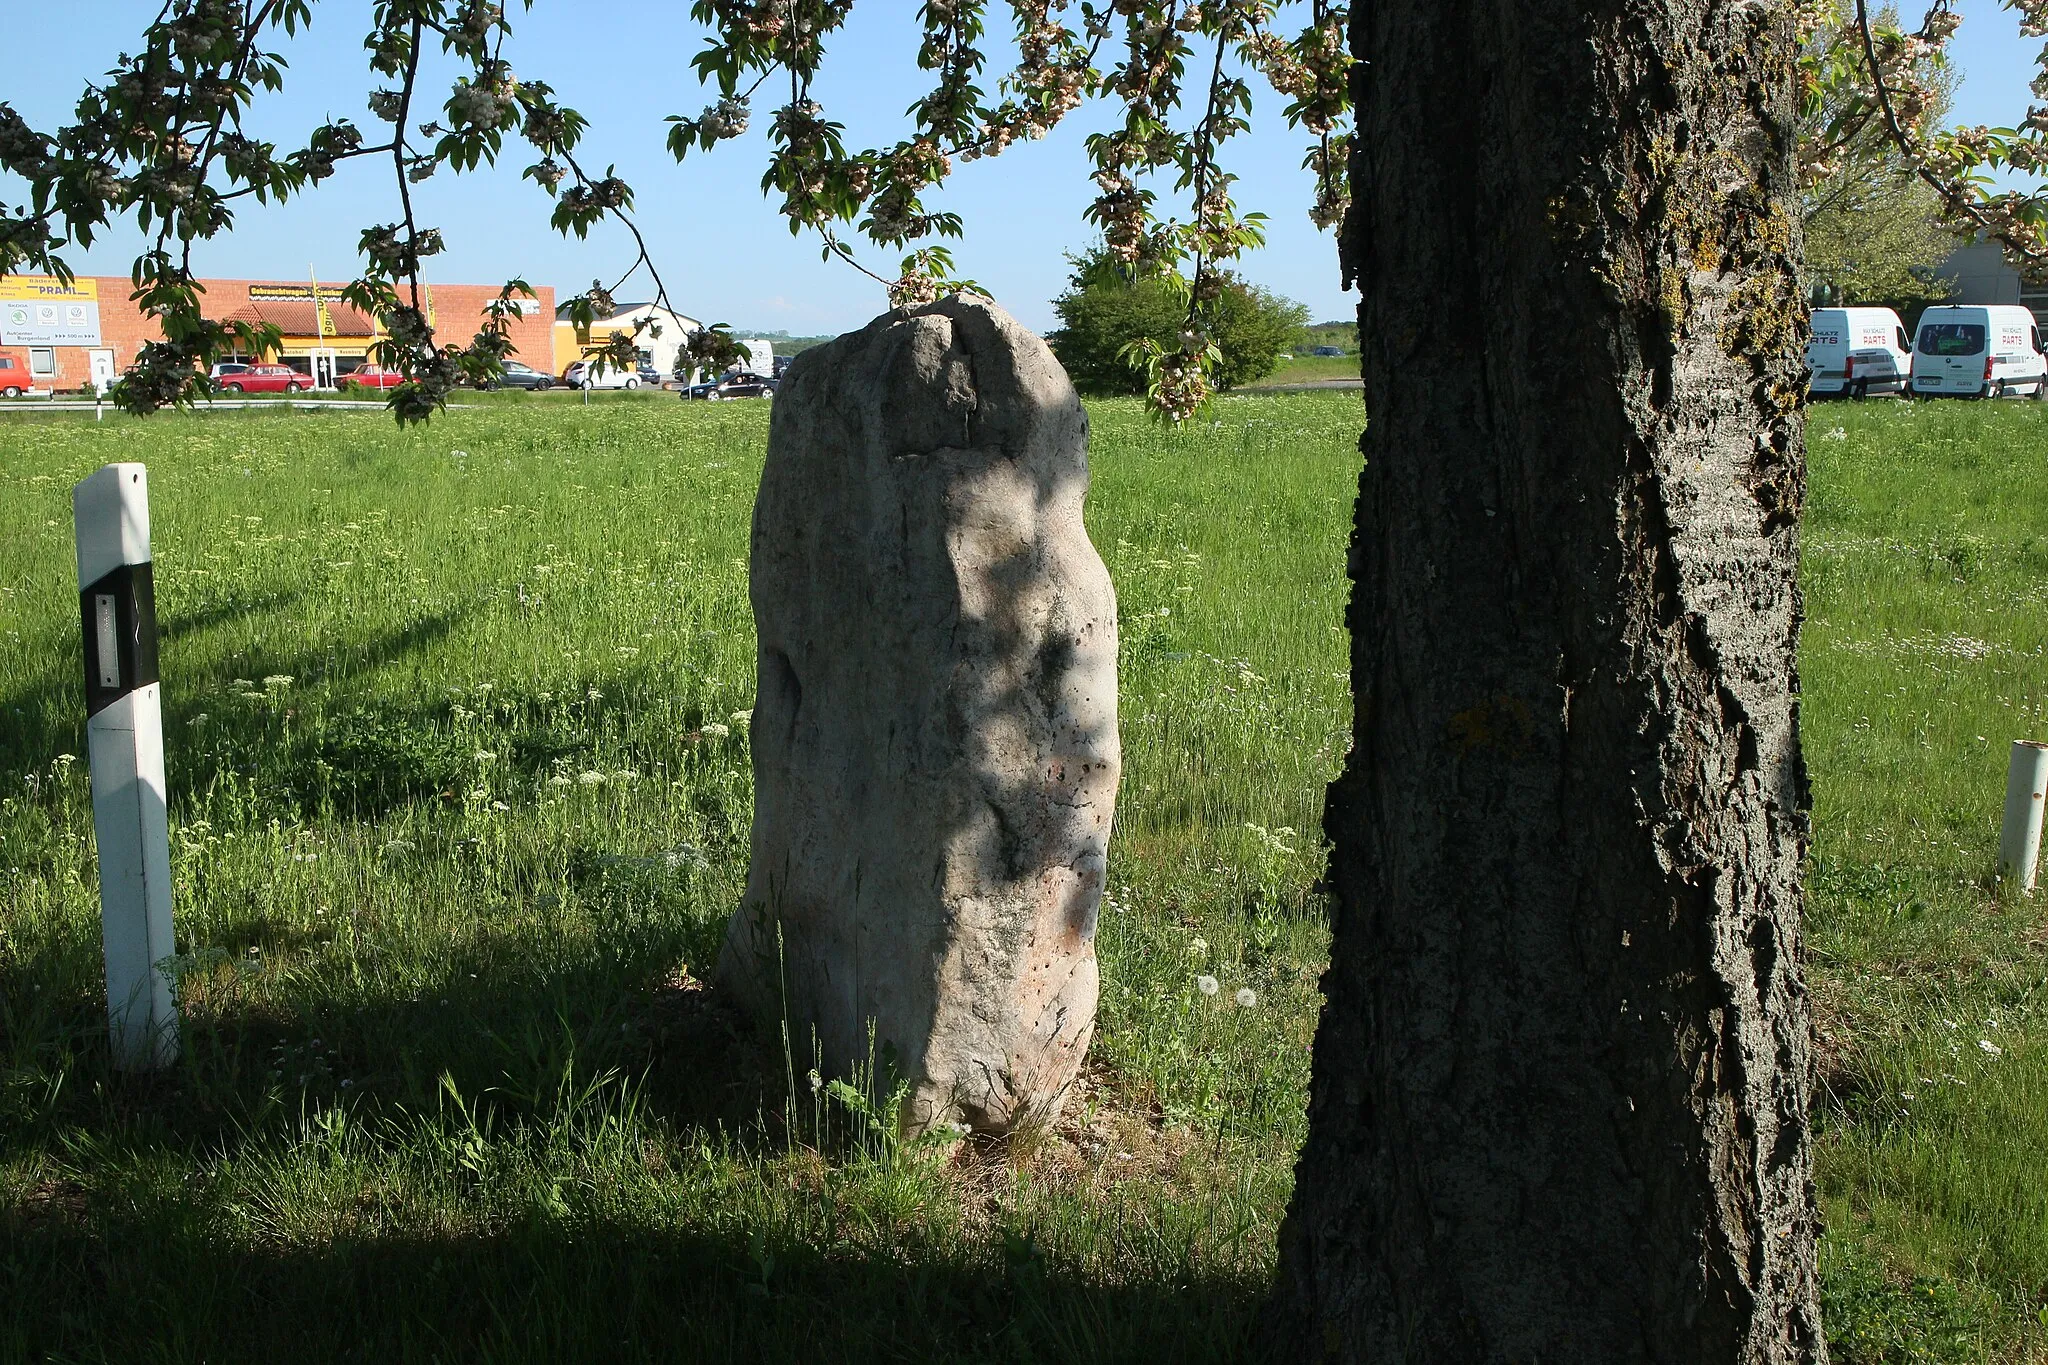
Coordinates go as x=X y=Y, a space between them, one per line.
x=935 y=739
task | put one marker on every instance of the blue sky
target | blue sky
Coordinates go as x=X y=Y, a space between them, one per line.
x=723 y=251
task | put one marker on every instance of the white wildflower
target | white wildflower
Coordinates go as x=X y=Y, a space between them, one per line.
x=1206 y=984
x=1197 y=946
x=716 y=731
x=1246 y=997
x=1994 y=1049
x=590 y=778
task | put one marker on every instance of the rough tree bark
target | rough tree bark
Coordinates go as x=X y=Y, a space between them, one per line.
x=1559 y=1109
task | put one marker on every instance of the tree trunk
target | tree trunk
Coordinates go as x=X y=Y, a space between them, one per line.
x=1559 y=1109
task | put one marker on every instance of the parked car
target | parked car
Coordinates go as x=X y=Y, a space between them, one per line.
x=372 y=377
x=225 y=368
x=518 y=376
x=650 y=378
x=1857 y=351
x=267 y=379
x=1979 y=351
x=741 y=385
x=1327 y=350
x=14 y=379
x=585 y=374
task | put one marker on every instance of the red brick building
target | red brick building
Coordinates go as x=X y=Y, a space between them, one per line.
x=58 y=332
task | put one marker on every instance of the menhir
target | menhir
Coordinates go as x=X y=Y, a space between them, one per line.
x=935 y=739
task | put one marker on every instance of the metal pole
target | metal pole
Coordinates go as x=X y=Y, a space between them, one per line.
x=125 y=740
x=2026 y=787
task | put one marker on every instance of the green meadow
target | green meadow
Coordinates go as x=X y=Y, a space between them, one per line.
x=457 y=740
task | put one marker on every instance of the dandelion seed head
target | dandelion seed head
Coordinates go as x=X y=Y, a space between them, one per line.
x=1206 y=984
x=1246 y=997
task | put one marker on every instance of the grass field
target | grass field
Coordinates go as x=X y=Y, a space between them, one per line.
x=460 y=800
x=1309 y=369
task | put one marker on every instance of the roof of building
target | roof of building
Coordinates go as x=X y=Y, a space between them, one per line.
x=298 y=318
x=620 y=311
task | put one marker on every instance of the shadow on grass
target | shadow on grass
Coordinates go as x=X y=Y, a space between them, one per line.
x=153 y=1282
x=157 y=1261
x=46 y=717
x=507 y=1022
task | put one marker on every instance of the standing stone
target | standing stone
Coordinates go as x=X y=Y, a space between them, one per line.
x=935 y=739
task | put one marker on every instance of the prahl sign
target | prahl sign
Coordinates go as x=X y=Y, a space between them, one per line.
x=37 y=310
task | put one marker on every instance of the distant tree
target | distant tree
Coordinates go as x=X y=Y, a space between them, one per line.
x=1107 y=309
x=1342 y=335
x=1874 y=228
x=1876 y=239
x=785 y=344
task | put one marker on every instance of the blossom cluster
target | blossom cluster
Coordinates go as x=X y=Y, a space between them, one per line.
x=1877 y=75
x=1156 y=43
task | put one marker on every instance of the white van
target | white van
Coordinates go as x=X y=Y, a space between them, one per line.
x=585 y=374
x=1979 y=351
x=1857 y=351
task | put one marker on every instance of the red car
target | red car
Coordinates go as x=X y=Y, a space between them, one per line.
x=267 y=379
x=14 y=380
x=372 y=377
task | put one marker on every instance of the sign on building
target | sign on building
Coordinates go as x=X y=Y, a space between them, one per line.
x=39 y=310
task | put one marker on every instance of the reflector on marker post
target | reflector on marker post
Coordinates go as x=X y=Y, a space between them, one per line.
x=125 y=741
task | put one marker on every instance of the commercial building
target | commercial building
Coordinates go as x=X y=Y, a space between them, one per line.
x=89 y=330
x=1981 y=273
x=573 y=343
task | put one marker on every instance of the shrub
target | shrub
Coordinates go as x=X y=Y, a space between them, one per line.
x=1104 y=310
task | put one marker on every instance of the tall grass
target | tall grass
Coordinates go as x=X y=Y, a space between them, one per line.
x=1926 y=575
x=457 y=740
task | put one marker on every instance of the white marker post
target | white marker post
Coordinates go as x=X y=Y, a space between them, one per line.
x=2026 y=786
x=125 y=740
